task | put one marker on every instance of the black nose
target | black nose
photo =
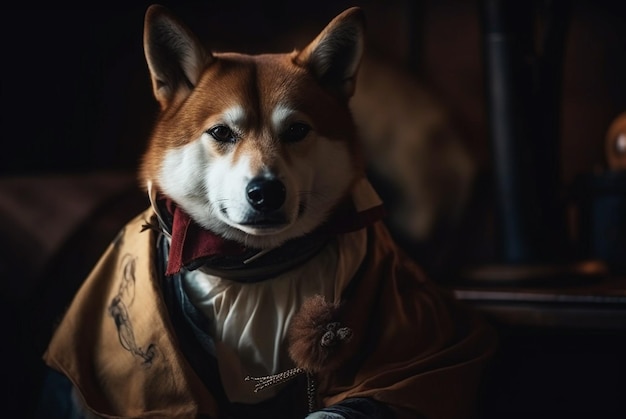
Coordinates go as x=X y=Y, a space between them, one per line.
x=265 y=194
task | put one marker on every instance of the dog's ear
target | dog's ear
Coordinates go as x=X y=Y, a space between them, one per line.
x=174 y=54
x=334 y=56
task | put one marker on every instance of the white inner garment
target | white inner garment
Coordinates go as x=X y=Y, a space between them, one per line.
x=249 y=322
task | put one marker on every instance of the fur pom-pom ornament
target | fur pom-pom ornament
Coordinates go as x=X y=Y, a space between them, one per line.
x=317 y=344
x=317 y=340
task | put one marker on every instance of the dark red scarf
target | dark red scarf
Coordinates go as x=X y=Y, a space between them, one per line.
x=193 y=246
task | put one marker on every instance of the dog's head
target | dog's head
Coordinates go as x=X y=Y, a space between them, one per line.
x=256 y=148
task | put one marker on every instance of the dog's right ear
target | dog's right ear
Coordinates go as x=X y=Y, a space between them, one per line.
x=335 y=55
x=175 y=57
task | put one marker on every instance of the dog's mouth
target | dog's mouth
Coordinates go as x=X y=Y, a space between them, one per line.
x=263 y=227
x=259 y=222
x=265 y=222
x=271 y=221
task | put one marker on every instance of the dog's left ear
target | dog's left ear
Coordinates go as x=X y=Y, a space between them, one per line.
x=334 y=56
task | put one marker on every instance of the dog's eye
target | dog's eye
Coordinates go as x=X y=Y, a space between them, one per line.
x=223 y=134
x=295 y=132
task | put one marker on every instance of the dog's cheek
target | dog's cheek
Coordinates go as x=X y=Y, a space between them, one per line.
x=180 y=174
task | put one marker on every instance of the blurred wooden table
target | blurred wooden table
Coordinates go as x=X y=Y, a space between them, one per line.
x=591 y=305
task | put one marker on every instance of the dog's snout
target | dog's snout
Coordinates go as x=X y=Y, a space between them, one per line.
x=265 y=194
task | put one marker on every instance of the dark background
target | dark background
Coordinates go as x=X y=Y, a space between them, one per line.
x=76 y=92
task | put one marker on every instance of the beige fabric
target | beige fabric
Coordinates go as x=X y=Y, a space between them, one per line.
x=140 y=370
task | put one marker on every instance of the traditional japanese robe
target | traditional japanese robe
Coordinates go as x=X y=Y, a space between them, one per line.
x=134 y=345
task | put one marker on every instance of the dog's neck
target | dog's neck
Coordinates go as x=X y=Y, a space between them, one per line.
x=192 y=247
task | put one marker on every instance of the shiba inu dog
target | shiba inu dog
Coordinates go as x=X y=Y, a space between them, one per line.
x=262 y=281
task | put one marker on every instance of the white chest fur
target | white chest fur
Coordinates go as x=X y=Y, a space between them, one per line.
x=249 y=322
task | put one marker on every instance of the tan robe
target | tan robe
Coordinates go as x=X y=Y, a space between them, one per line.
x=413 y=348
